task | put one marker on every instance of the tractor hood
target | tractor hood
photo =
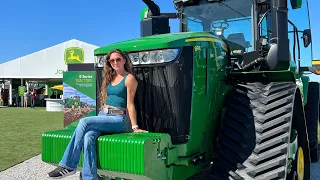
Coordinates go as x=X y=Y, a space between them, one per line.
x=159 y=42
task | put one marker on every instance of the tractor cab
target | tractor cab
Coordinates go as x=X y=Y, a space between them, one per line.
x=232 y=21
x=228 y=20
x=253 y=31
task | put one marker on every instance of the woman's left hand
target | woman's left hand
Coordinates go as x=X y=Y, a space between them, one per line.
x=139 y=130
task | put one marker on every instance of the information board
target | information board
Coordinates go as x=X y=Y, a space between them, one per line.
x=21 y=90
x=79 y=96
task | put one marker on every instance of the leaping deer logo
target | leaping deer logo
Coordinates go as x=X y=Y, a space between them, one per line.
x=73 y=57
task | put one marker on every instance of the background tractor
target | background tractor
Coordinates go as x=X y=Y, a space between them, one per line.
x=225 y=98
x=73 y=102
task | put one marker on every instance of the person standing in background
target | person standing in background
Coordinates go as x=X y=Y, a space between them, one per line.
x=1 y=98
x=25 y=99
x=5 y=96
x=15 y=98
x=33 y=98
x=41 y=98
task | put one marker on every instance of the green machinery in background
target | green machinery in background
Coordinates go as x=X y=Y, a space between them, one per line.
x=224 y=98
x=74 y=102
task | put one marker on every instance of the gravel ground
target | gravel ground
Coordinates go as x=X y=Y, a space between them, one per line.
x=31 y=169
x=35 y=169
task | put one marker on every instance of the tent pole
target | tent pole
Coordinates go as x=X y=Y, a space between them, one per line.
x=46 y=88
x=21 y=84
x=10 y=92
x=27 y=84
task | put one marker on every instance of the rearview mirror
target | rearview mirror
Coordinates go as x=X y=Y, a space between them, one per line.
x=306 y=37
x=296 y=4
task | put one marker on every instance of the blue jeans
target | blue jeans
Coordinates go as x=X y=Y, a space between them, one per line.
x=86 y=134
x=32 y=103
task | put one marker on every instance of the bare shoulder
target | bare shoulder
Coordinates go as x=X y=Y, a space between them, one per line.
x=131 y=80
x=131 y=77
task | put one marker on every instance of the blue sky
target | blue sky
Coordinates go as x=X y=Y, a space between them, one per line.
x=30 y=26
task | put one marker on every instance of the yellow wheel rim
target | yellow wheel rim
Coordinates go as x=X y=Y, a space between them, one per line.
x=300 y=164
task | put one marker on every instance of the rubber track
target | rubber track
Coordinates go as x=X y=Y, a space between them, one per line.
x=312 y=117
x=254 y=139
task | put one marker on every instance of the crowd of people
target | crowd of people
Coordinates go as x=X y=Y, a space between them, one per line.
x=32 y=95
x=32 y=98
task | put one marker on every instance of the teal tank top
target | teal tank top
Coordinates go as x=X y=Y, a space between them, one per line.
x=117 y=95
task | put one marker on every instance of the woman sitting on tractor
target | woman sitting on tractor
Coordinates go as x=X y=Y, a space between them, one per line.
x=117 y=94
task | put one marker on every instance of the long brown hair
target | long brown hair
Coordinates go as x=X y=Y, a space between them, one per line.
x=109 y=73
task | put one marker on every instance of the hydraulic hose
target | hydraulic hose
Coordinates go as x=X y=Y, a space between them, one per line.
x=253 y=63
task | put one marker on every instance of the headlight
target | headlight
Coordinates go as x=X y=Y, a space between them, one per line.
x=154 y=57
x=134 y=57
x=99 y=61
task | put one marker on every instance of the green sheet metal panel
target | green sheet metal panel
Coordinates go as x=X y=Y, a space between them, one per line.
x=54 y=144
x=133 y=153
x=122 y=154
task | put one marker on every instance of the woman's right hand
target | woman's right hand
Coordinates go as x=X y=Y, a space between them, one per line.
x=139 y=130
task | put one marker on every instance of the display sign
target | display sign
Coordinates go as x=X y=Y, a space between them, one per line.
x=79 y=96
x=73 y=55
x=54 y=105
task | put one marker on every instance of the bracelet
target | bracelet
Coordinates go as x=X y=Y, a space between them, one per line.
x=135 y=127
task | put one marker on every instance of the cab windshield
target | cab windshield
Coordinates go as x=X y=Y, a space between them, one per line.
x=230 y=20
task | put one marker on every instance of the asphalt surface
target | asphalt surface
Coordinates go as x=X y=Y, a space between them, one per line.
x=315 y=170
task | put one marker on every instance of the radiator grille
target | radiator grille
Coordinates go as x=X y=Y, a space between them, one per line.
x=163 y=97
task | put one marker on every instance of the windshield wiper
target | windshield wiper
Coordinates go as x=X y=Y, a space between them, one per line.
x=235 y=11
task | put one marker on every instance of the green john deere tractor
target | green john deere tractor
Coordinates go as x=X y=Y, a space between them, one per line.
x=225 y=98
x=73 y=102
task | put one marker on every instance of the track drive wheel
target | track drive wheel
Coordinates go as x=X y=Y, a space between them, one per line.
x=255 y=135
x=300 y=168
x=299 y=165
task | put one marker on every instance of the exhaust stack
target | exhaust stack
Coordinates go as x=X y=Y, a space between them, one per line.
x=154 y=23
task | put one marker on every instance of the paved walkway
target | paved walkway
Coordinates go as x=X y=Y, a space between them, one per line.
x=35 y=169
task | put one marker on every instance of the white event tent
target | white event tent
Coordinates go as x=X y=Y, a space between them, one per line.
x=45 y=65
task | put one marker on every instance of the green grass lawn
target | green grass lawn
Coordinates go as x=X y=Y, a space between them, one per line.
x=20 y=133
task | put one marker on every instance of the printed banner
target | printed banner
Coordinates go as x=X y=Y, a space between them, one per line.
x=21 y=90
x=79 y=94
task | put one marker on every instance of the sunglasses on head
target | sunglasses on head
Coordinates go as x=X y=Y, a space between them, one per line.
x=113 y=60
